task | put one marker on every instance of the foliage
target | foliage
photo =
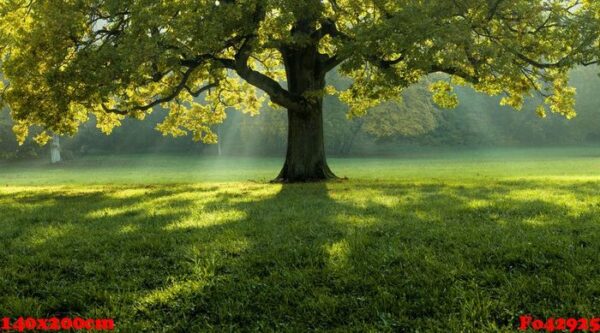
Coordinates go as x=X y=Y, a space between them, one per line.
x=9 y=148
x=118 y=58
x=477 y=121
x=414 y=115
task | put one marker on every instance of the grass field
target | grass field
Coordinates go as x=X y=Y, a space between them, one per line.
x=428 y=241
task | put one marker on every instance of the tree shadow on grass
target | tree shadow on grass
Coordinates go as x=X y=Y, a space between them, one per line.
x=345 y=256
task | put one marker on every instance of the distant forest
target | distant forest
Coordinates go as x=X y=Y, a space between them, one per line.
x=479 y=121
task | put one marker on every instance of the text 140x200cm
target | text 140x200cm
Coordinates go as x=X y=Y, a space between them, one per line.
x=56 y=324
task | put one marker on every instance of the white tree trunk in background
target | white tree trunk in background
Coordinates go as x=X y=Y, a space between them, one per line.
x=55 y=149
x=219 y=151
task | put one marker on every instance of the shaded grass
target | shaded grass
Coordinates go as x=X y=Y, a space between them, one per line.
x=452 y=254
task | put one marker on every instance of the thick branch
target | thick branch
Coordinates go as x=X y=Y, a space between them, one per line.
x=333 y=62
x=275 y=91
x=328 y=27
x=454 y=71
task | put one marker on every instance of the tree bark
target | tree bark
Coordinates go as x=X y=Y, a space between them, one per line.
x=305 y=158
x=55 y=150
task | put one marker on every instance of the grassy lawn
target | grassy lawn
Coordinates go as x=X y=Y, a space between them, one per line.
x=430 y=241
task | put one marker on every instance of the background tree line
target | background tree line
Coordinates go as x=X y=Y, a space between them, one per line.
x=413 y=121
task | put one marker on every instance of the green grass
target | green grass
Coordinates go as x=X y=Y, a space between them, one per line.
x=432 y=241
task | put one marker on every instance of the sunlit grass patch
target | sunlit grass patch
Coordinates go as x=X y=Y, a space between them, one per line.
x=465 y=254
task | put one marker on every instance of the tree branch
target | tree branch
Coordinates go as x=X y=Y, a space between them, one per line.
x=201 y=89
x=275 y=91
x=538 y=64
x=332 y=62
x=328 y=27
x=178 y=89
x=454 y=71
x=494 y=9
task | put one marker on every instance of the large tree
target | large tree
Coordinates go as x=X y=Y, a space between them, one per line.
x=66 y=59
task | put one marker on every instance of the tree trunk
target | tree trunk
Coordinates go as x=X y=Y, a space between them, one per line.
x=219 y=149
x=305 y=158
x=55 y=150
x=355 y=131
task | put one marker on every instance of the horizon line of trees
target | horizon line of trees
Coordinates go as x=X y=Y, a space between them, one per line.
x=477 y=121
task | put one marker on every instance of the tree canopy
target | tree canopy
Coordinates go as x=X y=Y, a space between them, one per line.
x=65 y=60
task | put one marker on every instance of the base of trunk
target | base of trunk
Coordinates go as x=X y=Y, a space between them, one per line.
x=305 y=159
x=298 y=173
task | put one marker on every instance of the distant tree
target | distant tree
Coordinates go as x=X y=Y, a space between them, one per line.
x=140 y=137
x=4 y=130
x=266 y=130
x=413 y=115
x=9 y=148
x=55 y=150
x=588 y=104
x=407 y=115
x=410 y=115
x=116 y=58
